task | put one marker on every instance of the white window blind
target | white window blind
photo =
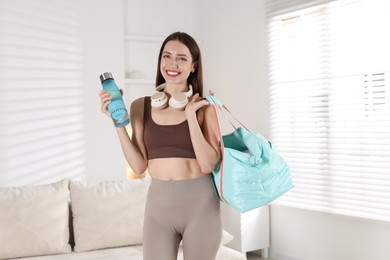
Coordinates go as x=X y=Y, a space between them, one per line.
x=41 y=121
x=329 y=76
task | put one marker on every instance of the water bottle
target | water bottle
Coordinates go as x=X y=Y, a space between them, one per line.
x=117 y=107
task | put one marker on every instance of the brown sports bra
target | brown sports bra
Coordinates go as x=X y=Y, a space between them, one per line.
x=166 y=141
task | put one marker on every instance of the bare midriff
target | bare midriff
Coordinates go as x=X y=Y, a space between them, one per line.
x=174 y=169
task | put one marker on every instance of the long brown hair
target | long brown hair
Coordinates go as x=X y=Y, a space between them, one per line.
x=195 y=78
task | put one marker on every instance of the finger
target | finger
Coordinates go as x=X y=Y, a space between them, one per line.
x=200 y=104
x=195 y=97
x=121 y=90
x=102 y=92
x=104 y=107
x=105 y=95
x=106 y=101
x=202 y=98
x=204 y=102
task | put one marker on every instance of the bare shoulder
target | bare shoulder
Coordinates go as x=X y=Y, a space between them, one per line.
x=137 y=105
x=204 y=114
x=137 y=108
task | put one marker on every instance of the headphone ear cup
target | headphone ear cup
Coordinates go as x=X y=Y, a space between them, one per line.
x=178 y=101
x=159 y=100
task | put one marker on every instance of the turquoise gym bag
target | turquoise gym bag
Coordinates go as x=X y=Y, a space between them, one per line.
x=250 y=173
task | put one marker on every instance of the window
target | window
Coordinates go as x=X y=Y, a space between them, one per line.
x=41 y=119
x=329 y=67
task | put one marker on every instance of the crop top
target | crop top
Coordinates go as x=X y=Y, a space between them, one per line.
x=166 y=141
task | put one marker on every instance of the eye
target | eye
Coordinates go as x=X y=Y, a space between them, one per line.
x=165 y=56
x=182 y=59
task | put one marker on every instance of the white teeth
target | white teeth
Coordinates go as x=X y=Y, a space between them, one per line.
x=172 y=73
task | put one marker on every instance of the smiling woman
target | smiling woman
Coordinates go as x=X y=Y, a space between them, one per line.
x=41 y=123
x=178 y=145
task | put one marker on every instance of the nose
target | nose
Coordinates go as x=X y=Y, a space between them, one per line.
x=172 y=62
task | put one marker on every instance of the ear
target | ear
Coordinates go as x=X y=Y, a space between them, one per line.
x=194 y=66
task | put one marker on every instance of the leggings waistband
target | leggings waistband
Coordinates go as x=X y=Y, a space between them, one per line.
x=181 y=188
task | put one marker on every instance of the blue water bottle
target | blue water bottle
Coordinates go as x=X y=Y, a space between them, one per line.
x=117 y=107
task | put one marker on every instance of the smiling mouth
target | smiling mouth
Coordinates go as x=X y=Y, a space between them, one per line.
x=172 y=73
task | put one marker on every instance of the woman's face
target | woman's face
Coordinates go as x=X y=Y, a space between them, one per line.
x=176 y=63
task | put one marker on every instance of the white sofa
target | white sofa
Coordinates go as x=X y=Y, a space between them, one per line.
x=79 y=220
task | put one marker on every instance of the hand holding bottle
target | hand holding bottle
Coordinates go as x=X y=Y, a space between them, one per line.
x=105 y=100
x=112 y=101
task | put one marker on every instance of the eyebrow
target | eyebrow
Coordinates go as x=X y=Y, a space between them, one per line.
x=167 y=52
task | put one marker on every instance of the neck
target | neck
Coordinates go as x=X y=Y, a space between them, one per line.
x=176 y=88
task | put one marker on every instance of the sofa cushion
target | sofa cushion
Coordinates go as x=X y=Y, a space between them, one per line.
x=108 y=214
x=34 y=220
x=132 y=253
x=226 y=237
x=118 y=253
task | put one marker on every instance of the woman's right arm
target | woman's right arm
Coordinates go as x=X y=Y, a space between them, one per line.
x=133 y=148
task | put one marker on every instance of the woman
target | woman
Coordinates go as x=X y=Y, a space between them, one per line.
x=178 y=144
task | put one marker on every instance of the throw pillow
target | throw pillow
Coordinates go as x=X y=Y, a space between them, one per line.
x=226 y=237
x=34 y=220
x=108 y=214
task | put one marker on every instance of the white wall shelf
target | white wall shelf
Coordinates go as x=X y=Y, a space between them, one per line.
x=141 y=51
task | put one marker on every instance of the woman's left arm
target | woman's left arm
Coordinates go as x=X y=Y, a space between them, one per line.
x=203 y=131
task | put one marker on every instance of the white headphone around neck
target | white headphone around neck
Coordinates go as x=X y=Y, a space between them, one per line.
x=178 y=101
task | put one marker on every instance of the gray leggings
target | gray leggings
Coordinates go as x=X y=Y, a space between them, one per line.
x=187 y=210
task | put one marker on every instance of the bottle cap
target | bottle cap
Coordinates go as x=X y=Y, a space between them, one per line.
x=106 y=75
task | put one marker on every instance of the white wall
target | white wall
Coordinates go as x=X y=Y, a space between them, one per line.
x=309 y=235
x=98 y=154
x=150 y=17
x=233 y=45
x=102 y=31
